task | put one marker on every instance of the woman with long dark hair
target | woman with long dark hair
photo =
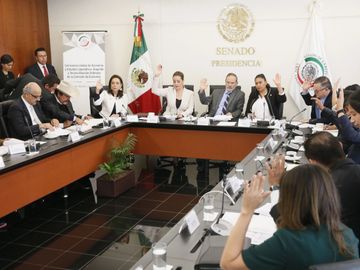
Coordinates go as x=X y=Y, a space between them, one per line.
x=309 y=228
x=7 y=63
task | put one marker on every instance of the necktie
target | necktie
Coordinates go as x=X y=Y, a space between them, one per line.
x=45 y=71
x=34 y=118
x=224 y=109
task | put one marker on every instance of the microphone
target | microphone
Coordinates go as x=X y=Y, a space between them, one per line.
x=221 y=226
x=263 y=122
x=124 y=115
x=28 y=126
x=100 y=113
x=290 y=126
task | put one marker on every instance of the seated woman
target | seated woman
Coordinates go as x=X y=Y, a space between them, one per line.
x=113 y=101
x=6 y=74
x=264 y=102
x=180 y=101
x=309 y=228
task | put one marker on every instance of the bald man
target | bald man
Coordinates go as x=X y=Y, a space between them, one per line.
x=25 y=116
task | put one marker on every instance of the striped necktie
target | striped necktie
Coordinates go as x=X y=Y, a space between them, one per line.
x=224 y=109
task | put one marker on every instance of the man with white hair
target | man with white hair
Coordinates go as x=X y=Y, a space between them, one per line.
x=25 y=116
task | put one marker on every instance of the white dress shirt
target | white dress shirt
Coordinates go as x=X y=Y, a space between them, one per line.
x=260 y=108
x=107 y=102
x=34 y=118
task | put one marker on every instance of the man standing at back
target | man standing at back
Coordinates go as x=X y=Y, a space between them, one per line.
x=41 y=68
x=229 y=101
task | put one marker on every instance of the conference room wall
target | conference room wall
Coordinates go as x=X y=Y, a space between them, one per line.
x=182 y=35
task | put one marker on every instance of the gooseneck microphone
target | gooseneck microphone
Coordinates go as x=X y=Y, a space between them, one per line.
x=28 y=126
x=289 y=125
x=221 y=226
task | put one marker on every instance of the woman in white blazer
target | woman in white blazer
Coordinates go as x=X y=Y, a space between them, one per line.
x=180 y=101
x=113 y=101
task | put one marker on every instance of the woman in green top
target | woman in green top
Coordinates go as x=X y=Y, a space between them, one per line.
x=309 y=228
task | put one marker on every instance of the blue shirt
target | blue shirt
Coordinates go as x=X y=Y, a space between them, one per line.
x=222 y=102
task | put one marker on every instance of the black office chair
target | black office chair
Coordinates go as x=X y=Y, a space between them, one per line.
x=94 y=110
x=4 y=107
x=344 y=265
x=164 y=100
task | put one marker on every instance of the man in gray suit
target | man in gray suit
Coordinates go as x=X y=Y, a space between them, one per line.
x=229 y=101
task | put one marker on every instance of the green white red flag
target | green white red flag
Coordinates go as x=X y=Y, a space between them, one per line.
x=140 y=77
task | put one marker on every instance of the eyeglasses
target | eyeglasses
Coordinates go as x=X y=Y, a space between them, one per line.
x=321 y=89
x=36 y=97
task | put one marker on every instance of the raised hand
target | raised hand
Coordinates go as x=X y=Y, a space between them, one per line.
x=277 y=80
x=203 y=84
x=254 y=194
x=334 y=93
x=158 y=70
x=275 y=168
x=340 y=100
x=306 y=85
x=98 y=87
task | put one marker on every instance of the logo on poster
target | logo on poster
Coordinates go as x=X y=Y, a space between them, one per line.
x=83 y=41
x=310 y=68
x=235 y=23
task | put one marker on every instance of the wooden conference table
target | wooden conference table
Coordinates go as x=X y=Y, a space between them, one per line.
x=26 y=179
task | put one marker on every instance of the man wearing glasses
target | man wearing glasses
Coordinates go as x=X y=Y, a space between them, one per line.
x=25 y=116
x=322 y=94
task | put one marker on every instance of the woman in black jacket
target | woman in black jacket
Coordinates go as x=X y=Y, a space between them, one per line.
x=265 y=102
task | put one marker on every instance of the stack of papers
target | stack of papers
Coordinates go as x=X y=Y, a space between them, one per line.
x=261 y=227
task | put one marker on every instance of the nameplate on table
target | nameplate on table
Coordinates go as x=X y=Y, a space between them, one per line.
x=16 y=148
x=272 y=143
x=235 y=183
x=153 y=119
x=192 y=221
x=132 y=118
x=2 y=164
x=74 y=137
x=116 y=122
x=203 y=121
x=244 y=122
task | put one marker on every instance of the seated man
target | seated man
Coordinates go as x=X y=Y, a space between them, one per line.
x=41 y=68
x=25 y=116
x=59 y=105
x=224 y=102
x=324 y=149
x=323 y=93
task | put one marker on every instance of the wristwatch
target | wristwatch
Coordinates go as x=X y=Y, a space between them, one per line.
x=340 y=111
x=274 y=187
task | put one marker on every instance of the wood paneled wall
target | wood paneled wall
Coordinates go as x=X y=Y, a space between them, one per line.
x=24 y=26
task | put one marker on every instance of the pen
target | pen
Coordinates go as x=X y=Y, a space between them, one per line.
x=198 y=244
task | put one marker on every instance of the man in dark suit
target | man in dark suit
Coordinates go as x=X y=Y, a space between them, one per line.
x=323 y=94
x=25 y=116
x=229 y=101
x=40 y=69
x=14 y=88
x=60 y=107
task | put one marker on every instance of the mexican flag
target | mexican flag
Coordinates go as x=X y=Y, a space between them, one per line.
x=311 y=62
x=140 y=78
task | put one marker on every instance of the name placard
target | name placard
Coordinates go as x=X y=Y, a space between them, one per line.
x=16 y=148
x=192 y=221
x=74 y=137
x=132 y=118
x=203 y=121
x=152 y=119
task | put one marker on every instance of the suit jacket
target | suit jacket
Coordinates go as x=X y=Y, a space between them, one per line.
x=19 y=120
x=273 y=99
x=327 y=103
x=186 y=107
x=236 y=101
x=107 y=102
x=36 y=71
x=53 y=109
x=14 y=88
